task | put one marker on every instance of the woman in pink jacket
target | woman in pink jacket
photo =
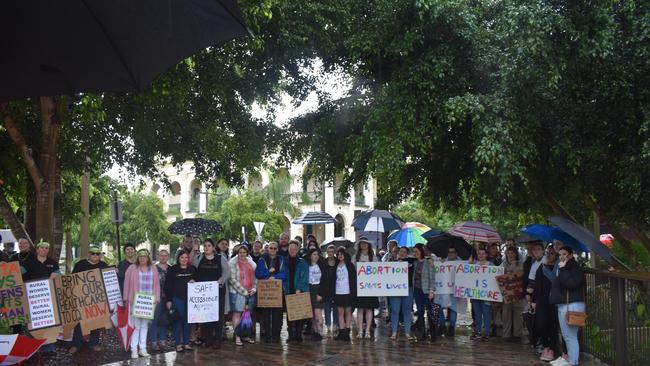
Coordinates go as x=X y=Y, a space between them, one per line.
x=141 y=277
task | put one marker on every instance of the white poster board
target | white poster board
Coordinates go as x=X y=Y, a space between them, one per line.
x=382 y=279
x=43 y=309
x=444 y=277
x=478 y=282
x=203 y=302
x=113 y=293
x=144 y=305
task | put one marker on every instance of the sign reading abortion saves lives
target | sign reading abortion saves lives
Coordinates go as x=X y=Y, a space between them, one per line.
x=476 y=281
x=382 y=279
x=444 y=277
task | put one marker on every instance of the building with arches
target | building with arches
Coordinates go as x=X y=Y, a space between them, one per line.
x=182 y=200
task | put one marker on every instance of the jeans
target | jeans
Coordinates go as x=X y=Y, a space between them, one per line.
x=77 y=337
x=482 y=311
x=401 y=305
x=570 y=333
x=181 y=324
x=331 y=316
x=213 y=331
x=158 y=333
x=451 y=316
x=421 y=302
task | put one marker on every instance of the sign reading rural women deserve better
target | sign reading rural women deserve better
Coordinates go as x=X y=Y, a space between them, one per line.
x=478 y=282
x=382 y=279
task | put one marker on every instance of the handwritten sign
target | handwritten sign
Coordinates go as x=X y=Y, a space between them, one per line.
x=511 y=286
x=144 y=305
x=113 y=293
x=43 y=307
x=203 y=302
x=476 y=281
x=82 y=299
x=444 y=277
x=12 y=295
x=382 y=279
x=269 y=293
x=298 y=306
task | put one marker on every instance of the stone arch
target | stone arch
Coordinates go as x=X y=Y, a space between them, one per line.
x=339 y=226
x=155 y=188
x=195 y=189
x=255 y=182
x=175 y=188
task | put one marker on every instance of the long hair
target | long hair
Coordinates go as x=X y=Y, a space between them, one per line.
x=346 y=255
x=371 y=252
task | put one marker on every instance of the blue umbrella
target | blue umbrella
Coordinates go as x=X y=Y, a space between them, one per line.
x=431 y=233
x=549 y=233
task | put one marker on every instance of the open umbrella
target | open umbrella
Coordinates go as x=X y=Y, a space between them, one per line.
x=314 y=218
x=550 y=233
x=585 y=236
x=69 y=47
x=439 y=245
x=196 y=226
x=16 y=349
x=377 y=220
x=337 y=242
x=123 y=326
x=431 y=233
x=475 y=231
x=410 y=234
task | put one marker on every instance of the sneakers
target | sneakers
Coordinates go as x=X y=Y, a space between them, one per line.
x=73 y=350
x=134 y=354
x=485 y=338
x=547 y=355
x=560 y=361
x=143 y=352
x=474 y=336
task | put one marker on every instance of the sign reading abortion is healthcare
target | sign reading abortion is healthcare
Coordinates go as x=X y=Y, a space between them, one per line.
x=382 y=279
x=476 y=281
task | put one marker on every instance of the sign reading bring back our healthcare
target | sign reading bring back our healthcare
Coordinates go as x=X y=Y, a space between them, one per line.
x=382 y=279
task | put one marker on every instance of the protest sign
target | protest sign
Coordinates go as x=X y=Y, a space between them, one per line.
x=144 y=305
x=269 y=293
x=13 y=308
x=478 y=282
x=511 y=286
x=444 y=277
x=298 y=306
x=382 y=279
x=113 y=293
x=82 y=299
x=43 y=307
x=203 y=302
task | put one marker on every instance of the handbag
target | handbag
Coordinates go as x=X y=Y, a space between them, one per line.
x=172 y=315
x=575 y=318
x=434 y=313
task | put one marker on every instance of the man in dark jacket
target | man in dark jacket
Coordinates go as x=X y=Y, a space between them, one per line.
x=129 y=259
x=297 y=282
x=272 y=266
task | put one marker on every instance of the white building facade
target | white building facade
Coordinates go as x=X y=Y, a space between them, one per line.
x=185 y=194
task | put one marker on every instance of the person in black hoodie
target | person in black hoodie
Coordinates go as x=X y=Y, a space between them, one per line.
x=345 y=292
x=213 y=267
x=546 y=323
x=178 y=276
x=568 y=294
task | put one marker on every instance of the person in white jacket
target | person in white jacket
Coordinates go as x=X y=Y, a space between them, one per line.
x=243 y=286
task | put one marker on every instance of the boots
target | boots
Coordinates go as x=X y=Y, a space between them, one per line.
x=347 y=334
x=421 y=332
x=441 y=330
x=451 y=331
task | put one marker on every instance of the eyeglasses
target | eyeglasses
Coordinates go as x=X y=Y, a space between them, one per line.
x=273 y=248
x=94 y=253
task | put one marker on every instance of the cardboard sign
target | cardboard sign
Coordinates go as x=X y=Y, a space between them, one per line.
x=43 y=307
x=269 y=293
x=13 y=309
x=82 y=299
x=113 y=293
x=144 y=305
x=382 y=279
x=298 y=306
x=511 y=286
x=444 y=277
x=478 y=282
x=203 y=302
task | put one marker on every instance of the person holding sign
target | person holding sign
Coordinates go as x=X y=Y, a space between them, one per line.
x=365 y=305
x=345 y=292
x=178 y=276
x=448 y=301
x=93 y=262
x=403 y=305
x=243 y=286
x=272 y=266
x=141 y=278
x=297 y=282
x=482 y=309
x=213 y=267
x=157 y=332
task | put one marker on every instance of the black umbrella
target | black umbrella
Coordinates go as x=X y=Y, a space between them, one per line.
x=337 y=242
x=196 y=226
x=314 y=218
x=586 y=237
x=439 y=245
x=66 y=47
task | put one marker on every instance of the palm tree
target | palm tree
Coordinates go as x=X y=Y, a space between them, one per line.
x=278 y=192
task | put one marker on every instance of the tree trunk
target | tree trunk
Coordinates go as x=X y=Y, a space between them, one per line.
x=8 y=215
x=68 y=251
x=84 y=235
x=57 y=239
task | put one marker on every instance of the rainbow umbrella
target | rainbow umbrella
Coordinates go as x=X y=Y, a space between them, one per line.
x=410 y=234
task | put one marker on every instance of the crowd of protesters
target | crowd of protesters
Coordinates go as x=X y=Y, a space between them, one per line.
x=552 y=279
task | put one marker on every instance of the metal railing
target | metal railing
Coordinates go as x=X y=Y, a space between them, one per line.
x=618 y=322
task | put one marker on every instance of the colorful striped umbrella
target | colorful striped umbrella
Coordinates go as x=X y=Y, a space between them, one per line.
x=410 y=234
x=475 y=231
